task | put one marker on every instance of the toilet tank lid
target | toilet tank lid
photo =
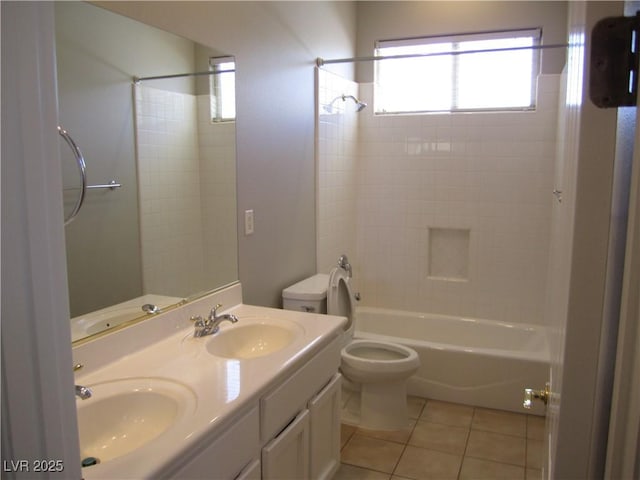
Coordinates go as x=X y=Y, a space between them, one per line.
x=312 y=288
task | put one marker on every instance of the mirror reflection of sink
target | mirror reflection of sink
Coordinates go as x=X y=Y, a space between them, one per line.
x=100 y=320
x=251 y=340
x=124 y=415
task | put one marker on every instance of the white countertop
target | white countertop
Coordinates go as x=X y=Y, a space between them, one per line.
x=220 y=388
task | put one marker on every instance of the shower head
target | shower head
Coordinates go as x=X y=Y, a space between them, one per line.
x=360 y=105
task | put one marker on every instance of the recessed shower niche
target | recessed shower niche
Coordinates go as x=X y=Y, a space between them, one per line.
x=448 y=254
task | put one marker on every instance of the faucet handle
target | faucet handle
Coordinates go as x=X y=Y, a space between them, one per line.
x=199 y=321
x=214 y=311
x=83 y=392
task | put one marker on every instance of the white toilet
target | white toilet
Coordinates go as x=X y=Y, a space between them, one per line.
x=380 y=368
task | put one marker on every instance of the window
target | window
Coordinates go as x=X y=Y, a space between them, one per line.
x=434 y=75
x=223 y=88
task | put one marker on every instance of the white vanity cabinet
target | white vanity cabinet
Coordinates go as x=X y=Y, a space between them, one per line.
x=292 y=432
x=287 y=455
x=253 y=471
x=309 y=447
x=324 y=427
x=236 y=416
x=229 y=455
x=300 y=421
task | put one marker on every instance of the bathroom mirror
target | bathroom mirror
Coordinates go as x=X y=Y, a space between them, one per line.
x=158 y=223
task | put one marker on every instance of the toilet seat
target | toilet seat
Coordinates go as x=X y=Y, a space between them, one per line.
x=371 y=351
x=340 y=298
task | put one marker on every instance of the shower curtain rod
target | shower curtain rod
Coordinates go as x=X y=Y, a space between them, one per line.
x=321 y=61
x=137 y=80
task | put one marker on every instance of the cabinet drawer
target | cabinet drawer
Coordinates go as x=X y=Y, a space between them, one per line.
x=223 y=459
x=279 y=406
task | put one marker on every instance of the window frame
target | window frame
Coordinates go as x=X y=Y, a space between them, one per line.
x=535 y=33
x=218 y=97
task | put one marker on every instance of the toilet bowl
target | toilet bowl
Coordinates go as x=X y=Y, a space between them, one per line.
x=370 y=361
x=380 y=369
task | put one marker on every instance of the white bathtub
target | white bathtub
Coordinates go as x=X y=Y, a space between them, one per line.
x=475 y=362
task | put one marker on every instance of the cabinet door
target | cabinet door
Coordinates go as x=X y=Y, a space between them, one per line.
x=324 y=412
x=287 y=455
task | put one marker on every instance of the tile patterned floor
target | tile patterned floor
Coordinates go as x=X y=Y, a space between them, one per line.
x=445 y=441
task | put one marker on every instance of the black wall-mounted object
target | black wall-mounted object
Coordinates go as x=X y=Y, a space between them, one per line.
x=613 y=67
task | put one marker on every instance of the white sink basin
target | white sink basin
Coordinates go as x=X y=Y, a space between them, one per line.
x=251 y=340
x=124 y=415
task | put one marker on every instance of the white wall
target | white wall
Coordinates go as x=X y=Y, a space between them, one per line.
x=275 y=45
x=337 y=170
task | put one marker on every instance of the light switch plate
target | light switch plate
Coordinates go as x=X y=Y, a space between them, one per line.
x=248 y=222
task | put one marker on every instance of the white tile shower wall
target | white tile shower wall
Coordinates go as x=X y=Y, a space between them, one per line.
x=489 y=173
x=336 y=170
x=217 y=148
x=170 y=213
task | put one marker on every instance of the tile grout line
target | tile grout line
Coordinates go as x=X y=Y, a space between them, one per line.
x=470 y=429
x=355 y=433
x=466 y=444
x=525 y=437
x=406 y=443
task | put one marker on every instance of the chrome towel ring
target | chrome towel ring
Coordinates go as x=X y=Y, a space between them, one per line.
x=82 y=167
x=83 y=173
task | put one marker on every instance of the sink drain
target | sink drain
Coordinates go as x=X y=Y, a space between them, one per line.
x=89 y=461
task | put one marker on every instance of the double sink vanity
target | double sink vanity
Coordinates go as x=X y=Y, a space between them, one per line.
x=260 y=398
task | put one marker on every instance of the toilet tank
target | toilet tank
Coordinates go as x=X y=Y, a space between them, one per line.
x=308 y=295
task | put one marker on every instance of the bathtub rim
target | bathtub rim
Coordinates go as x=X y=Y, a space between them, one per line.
x=543 y=356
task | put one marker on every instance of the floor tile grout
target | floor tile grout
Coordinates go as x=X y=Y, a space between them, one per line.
x=466 y=445
x=473 y=425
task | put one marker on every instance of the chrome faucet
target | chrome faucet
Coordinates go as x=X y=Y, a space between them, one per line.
x=212 y=324
x=343 y=262
x=150 y=309
x=83 y=392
